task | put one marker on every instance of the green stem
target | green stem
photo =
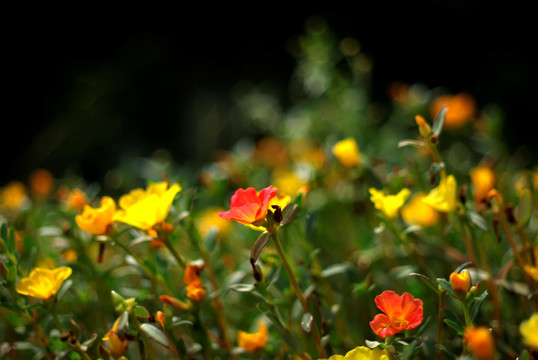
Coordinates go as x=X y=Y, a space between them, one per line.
x=146 y=270
x=298 y=292
x=440 y=322
x=466 y=314
x=175 y=254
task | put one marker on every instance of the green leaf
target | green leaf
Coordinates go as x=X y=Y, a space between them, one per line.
x=242 y=287
x=524 y=208
x=211 y=239
x=439 y=121
x=445 y=350
x=524 y=355
x=287 y=336
x=462 y=266
x=63 y=290
x=445 y=285
x=458 y=327
x=477 y=220
x=141 y=312
x=258 y=246
x=416 y=143
x=423 y=326
x=155 y=334
x=426 y=280
x=372 y=344
x=452 y=320
x=306 y=322
x=475 y=308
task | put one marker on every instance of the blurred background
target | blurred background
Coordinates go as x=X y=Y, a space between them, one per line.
x=88 y=89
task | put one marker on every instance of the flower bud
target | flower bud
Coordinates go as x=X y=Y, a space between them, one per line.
x=460 y=282
x=423 y=126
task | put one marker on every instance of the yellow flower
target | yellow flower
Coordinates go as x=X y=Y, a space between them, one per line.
x=417 y=212
x=13 y=196
x=347 y=152
x=483 y=180
x=144 y=209
x=533 y=270
x=289 y=182
x=388 y=204
x=43 y=283
x=116 y=340
x=443 y=197
x=253 y=341
x=363 y=353
x=209 y=220
x=529 y=331
x=97 y=220
x=460 y=282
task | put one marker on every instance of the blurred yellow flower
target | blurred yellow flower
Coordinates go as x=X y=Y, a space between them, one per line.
x=362 y=353
x=116 y=340
x=461 y=109
x=289 y=182
x=209 y=219
x=271 y=152
x=41 y=183
x=144 y=209
x=347 y=152
x=97 y=220
x=483 y=180
x=530 y=269
x=253 y=341
x=13 y=196
x=389 y=204
x=443 y=197
x=43 y=283
x=529 y=331
x=417 y=212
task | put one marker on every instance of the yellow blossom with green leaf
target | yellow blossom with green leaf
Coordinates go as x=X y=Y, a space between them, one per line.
x=144 y=209
x=43 y=283
x=362 y=353
x=389 y=205
x=443 y=197
x=417 y=212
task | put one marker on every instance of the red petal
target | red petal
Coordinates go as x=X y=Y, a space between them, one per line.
x=388 y=302
x=245 y=214
x=381 y=326
x=242 y=197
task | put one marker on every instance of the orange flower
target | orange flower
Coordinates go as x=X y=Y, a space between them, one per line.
x=461 y=108
x=195 y=290
x=249 y=207
x=76 y=199
x=460 y=282
x=97 y=220
x=480 y=342
x=13 y=196
x=41 y=182
x=400 y=313
x=253 y=341
x=116 y=340
x=483 y=180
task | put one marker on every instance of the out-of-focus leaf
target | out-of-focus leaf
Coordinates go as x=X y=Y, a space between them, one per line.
x=439 y=121
x=90 y=341
x=427 y=281
x=416 y=143
x=446 y=351
x=124 y=318
x=462 y=266
x=63 y=290
x=436 y=168
x=306 y=322
x=524 y=208
x=452 y=320
x=242 y=287
x=478 y=220
x=372 y=344
x=211 y=239
x=335 y=269
x=155 y=334
x=475 y=308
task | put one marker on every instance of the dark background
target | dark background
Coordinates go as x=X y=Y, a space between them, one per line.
x=87 y=87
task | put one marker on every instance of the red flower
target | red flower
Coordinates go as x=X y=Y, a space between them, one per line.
x=249 y=207
x=401 y=313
